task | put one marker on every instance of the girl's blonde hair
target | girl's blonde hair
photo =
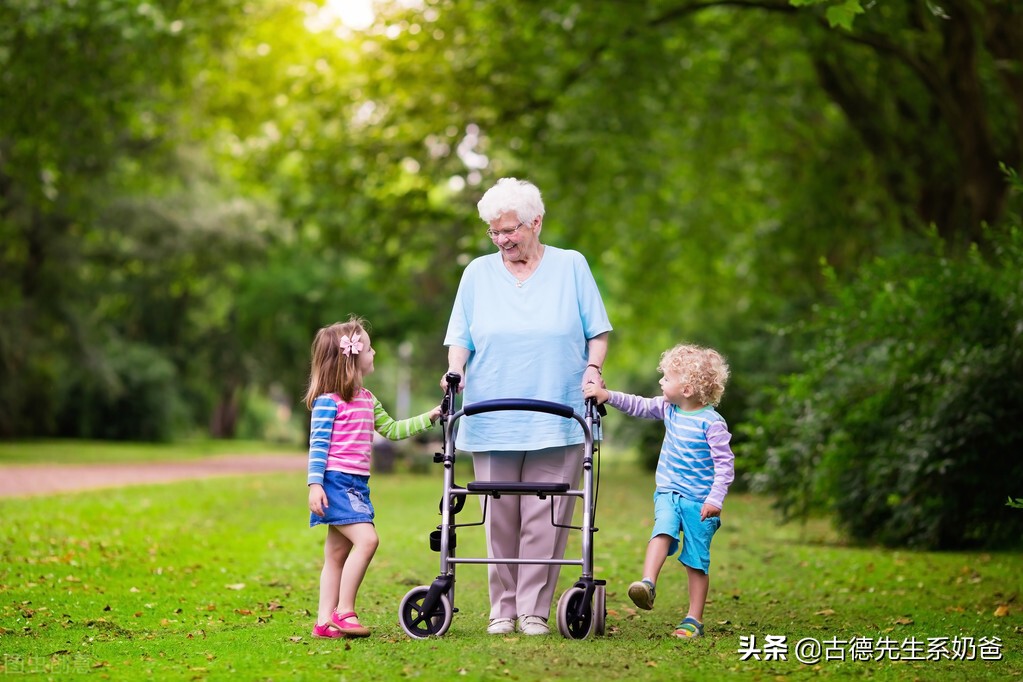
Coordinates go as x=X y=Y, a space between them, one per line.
x=702 y=368
x=331 y=371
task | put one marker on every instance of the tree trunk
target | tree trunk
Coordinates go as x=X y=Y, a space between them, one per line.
x=224 y=420
x=929 y=109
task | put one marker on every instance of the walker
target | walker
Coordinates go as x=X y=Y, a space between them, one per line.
x=428 y=609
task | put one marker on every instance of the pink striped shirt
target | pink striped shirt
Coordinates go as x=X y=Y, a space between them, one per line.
x=341 y=434
x=351 y=438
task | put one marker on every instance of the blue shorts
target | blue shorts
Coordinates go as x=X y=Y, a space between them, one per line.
x=347 y=500
x=674 y=513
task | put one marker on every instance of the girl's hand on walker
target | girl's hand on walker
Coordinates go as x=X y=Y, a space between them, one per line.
x=317 y=499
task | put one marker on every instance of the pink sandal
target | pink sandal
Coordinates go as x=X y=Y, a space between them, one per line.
x=326 y=631
x=346 y=629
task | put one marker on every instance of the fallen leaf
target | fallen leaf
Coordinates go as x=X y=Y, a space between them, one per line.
x=904 y=620
x=235 y=586
x=825 y=612
x=1002 y=611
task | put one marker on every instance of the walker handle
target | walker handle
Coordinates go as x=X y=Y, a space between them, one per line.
x=526 y=404
x=591 y=403
x=447 y=406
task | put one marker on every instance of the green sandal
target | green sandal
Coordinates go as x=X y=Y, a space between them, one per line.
x=689 y=628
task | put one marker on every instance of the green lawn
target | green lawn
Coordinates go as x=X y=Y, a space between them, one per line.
x=217 y=579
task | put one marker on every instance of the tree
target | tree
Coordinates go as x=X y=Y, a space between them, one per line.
x=89 y=97
x=935 y=90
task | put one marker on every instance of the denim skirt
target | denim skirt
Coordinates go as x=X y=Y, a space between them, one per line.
x=347 y=500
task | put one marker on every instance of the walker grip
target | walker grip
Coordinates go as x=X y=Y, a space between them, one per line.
x=525 y=404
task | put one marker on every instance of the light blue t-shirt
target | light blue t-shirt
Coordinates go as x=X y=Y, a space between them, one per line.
x=525 y=341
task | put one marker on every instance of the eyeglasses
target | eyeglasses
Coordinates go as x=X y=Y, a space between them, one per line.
x=494 y=234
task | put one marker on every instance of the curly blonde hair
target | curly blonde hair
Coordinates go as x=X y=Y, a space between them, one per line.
x=330 y=370
x=702 y=368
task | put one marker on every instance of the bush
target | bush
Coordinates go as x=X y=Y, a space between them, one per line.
x=273 y=417
x=907 y=420
x=129 y=392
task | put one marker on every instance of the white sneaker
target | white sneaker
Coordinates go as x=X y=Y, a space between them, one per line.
x=533 y=625
x=501 y=626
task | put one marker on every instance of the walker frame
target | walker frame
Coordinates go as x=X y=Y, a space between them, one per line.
x=427 y=610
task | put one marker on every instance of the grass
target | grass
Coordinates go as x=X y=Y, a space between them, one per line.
x=217 y=579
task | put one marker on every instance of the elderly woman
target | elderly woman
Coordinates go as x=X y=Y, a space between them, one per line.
x=527 y=322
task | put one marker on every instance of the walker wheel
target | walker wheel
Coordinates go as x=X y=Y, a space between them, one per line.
x=420 y=625
x=575 y=616
x=599 y=610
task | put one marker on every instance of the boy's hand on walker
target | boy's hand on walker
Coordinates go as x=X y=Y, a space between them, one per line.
x=708 y=511
x=317 y=499
x=592 y=390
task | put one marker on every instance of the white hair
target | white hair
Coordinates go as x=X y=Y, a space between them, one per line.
x=511 y=195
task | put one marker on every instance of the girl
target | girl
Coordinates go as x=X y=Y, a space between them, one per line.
x=344 y=417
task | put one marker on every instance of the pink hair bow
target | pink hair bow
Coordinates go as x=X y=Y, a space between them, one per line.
x=351 y=346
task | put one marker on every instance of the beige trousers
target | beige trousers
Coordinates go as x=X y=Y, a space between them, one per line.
x=519 y=526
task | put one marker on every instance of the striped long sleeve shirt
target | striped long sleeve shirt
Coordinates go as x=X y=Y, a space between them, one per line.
x=341 y=434
x=696 y=457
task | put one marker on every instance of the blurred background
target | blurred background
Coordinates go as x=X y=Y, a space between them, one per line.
x=824 y=190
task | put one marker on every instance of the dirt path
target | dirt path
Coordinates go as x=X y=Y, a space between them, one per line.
x=26 y=480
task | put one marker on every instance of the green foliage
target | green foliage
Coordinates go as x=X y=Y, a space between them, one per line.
x=91 y=95
x=905 y=420
x=128 y=393
x=273 y=419
x=841 y=13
